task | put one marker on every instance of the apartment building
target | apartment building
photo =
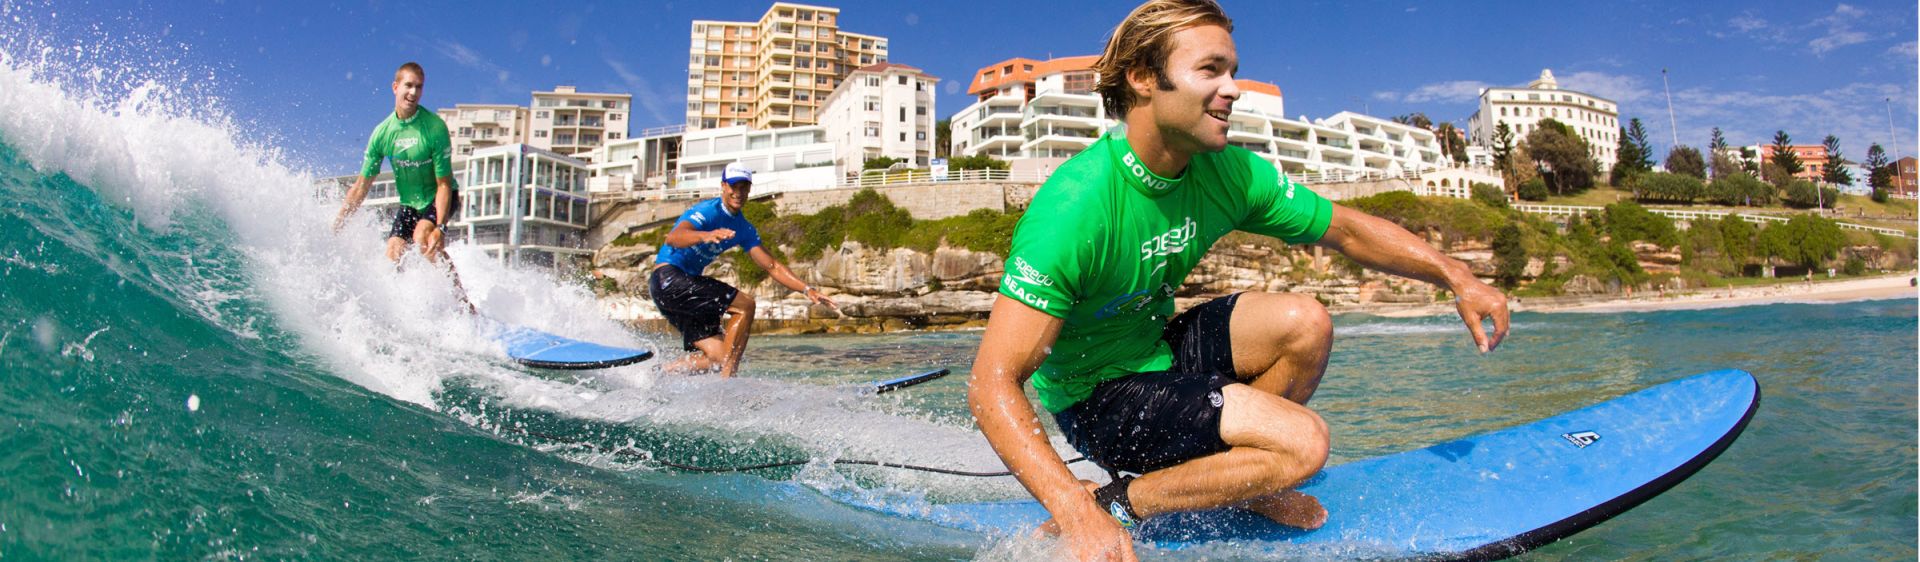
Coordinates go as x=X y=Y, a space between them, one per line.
x=1905 y=183
x=773 y=73
x=1593 y=118
x=479 y=125
x=525 y=205
x=1037 y=113
x=571 y=122
x=649 y=160
x=788 y=159
x=1812 y=157
x=881 y=110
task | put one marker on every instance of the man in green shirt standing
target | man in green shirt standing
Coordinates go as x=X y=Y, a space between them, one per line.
x=1207 y=407
x=416 y=140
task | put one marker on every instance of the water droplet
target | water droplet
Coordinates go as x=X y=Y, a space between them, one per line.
x=193 y=402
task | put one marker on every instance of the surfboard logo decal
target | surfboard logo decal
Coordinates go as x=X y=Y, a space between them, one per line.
x=1581 y=439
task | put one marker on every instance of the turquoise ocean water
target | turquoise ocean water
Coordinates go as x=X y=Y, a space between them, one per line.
x=191 y=367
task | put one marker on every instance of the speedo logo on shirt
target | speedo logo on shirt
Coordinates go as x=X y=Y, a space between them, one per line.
x=1025 y=274
x=1140 y=173
x=1170 y=242
x=404 y=143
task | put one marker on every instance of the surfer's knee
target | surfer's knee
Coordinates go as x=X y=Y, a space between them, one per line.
x=743 y=303
x=1297 y=437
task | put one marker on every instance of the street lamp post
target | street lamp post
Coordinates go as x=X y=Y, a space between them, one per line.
x=1671 y=121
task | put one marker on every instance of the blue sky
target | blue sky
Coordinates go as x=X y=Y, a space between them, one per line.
x=312 y=77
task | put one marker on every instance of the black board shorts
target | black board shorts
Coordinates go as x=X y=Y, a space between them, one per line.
x=1150 y=421
x=407 y=218
x=693 y=304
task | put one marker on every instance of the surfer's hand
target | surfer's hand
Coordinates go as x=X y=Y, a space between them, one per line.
x=718 y=235
x=436 y=240
x=1096 y=536
x=1479 y=302
x=818 y=297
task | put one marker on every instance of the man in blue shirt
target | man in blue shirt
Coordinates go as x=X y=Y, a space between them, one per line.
x=695 y=303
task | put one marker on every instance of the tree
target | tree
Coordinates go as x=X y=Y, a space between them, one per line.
x=1534 y=189
x=1879 y=174
x=1750 y=160
x=1736 y=239
x=1804 y=194
x=1836 y=172
x=943 y=138
x=1804 y=240
x=1562 y=157
x=1686 y=160
x=1503 y=151
x=1416 y=119
x=1740 y=189
x=1628 y=221
x=1663 y=186
x=1721 y=162
x=1450 y=144
x=1635 y=156
x=1509 y=256
x=1784 y=158
x=1487 y=194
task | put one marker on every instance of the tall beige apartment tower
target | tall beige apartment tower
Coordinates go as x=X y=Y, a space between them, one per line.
x=775 y=72
x=571 y=122
x=480 y=125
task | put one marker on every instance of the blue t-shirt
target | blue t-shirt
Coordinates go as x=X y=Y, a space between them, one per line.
x=708 y=216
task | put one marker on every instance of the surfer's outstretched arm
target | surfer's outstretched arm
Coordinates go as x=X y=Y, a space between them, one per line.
x=1017 y=340
x=1382 y=245
x=355 y=194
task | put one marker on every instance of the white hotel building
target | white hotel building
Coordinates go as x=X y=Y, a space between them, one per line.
x=572 y=122
x=1035 y=114
x=1595 y=119
x=881 y=110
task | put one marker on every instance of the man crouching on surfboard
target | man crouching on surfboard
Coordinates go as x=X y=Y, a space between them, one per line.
x=1208 y=407
x=694 y=303
x=415 y=139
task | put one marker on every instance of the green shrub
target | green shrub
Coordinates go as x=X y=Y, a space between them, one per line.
x=1534 y=190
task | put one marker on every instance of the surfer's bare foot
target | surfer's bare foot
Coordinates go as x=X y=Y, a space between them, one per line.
x=1291 y=508
x=1051 y=528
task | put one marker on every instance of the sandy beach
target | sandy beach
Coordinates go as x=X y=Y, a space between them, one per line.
x=1818 y=291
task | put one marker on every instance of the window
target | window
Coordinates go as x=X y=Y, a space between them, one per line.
x=613 y=136
x=903 y=79
x=920 y=111
x=873 y=103
x=539 y=134
x=1026 y=67
x=614 y=116
x=873 y=81
x=609 y=104
x=920 y=135
x=903 y=114
x=903 y=136
x=873 y=130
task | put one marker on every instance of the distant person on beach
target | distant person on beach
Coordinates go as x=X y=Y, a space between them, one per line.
x=416 y=141
x=694 y=303
x=1207 y=407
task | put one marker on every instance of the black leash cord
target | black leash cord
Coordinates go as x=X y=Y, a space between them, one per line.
x=690 y=468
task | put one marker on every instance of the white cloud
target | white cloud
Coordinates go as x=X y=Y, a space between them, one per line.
x=1839 y=30
x=642 y=91
x=1907 y=51
x=1747 y=23
x=1456 y=91
x=467 y=57
x=1624 y=89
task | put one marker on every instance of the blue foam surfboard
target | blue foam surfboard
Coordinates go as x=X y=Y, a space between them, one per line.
x=535 y=348
x=1482 y=497
x=891 y=385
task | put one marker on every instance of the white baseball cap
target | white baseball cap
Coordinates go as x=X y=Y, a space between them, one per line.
x=735 y=173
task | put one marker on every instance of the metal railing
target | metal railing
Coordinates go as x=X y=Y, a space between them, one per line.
x=1685 y=214
x=874 y=178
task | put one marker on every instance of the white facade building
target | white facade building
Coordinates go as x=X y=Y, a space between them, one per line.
x=524 y=205
x=1595 y=119
x=571 y=122
x=790 y=159
x=479 y=125
x=650 y=160
x=882 y=110
x=1036 y=114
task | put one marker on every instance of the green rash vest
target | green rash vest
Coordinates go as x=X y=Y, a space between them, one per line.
x=1106 y=242
x=421 y=153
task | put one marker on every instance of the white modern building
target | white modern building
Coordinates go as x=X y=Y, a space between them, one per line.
x=525 y=205
x=789 y=159
x=1036 y=114
x=478 y=125
x=1593 y=118
x=572 y=122
x=649 y=160
x=775 y=72
x=881 y=110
